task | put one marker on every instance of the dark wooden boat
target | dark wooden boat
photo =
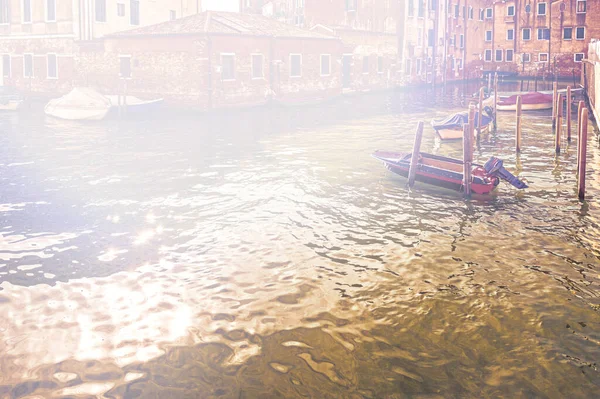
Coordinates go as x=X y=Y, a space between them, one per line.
x=448 y=172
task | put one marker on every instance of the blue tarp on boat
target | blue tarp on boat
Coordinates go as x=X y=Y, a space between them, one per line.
x=460 y=119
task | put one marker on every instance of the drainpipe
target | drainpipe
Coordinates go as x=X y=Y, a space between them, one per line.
x=464 y=49
x=435 y=37
x=550 y=36
x=209 y=88
x=445 y=58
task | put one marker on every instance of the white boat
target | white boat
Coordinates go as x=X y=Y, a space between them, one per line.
x=80 y=104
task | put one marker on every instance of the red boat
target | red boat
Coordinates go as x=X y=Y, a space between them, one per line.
x=448 y=172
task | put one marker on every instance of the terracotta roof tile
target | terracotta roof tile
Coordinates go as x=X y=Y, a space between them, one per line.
x=224 y=23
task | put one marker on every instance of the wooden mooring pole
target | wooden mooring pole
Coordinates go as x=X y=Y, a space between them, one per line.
x=554 y=100
x=579 y=111
x=467 y=159
x=496 y=101
x=569 y=113
x=582 y=154
x=518 y=131
x=472 y=122
x=480 y=116
x=558 y=123
x=414 y=161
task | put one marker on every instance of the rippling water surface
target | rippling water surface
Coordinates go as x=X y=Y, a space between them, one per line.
x=265 y=254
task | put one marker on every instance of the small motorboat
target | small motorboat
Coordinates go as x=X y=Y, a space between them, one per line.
x=448 y=172
x=10 y=99
x=81 y=103
x=529 y=102
x=451 y=128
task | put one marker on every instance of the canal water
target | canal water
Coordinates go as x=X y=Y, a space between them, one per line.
x=265 y=254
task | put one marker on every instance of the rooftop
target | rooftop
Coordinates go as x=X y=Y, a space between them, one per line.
x=227 y=23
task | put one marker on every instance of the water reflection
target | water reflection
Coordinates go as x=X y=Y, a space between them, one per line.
x=268 y=255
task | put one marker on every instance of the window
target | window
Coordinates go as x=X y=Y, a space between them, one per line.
x=26 y=8
x=4 y=12
x=453 y=64
x=488 y=35
x=420 y=37
x=52 y=66
x=227 y=66
x=459 y=63
x=509 y=56
x=125 y=67
x=380 y=64
x=100 y=10
x=257 y=66
x=134 y=12
x=350 y=5
x=510 y=34
x=543 y=57
x=471 y=13
x=456 y=11
x=567 y=33
x=6 y=65
x=510 y=11
x=581 y=6
x=580 y=33
x=365 y=66
x=407 y=67
x=498 y=55
x=526 y=57
x=543 y=34
x=172 y=15
x=526 y=34
x=488 y=13
x=325 y=64
x=430 y=38
x=541 y=9
x=120 y=10
x=419 y=62
x=578 y=57
x=28 y=65
x=453 y=41
x=488 y=55
x=411 y=8
x=481 y=14
x=421 y=13
x=462 y=41
x=295 y=65
x=50 y=10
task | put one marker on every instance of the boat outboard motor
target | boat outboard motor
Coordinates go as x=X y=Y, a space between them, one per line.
x=495 y=167
x=489 y=111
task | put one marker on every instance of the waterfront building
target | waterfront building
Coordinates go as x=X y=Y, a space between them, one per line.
x=217 y=59
x=40 y=40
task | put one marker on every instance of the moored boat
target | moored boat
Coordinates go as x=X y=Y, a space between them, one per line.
x=448 y=172
x=79 y=104
x=529 y=102
x=10 y=100
x=451 y=128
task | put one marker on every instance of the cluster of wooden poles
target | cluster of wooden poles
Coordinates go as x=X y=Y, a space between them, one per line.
x=582 y=132
x=557 y=125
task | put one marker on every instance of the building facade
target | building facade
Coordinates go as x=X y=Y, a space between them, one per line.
x=40 y=39
x=215 y=60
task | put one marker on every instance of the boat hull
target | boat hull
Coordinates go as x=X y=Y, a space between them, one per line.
x=438 y=171
x=524 y=107
x=457 y=133
x=76 y=113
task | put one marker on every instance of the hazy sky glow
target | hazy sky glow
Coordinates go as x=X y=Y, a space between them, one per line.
x=221 y=5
